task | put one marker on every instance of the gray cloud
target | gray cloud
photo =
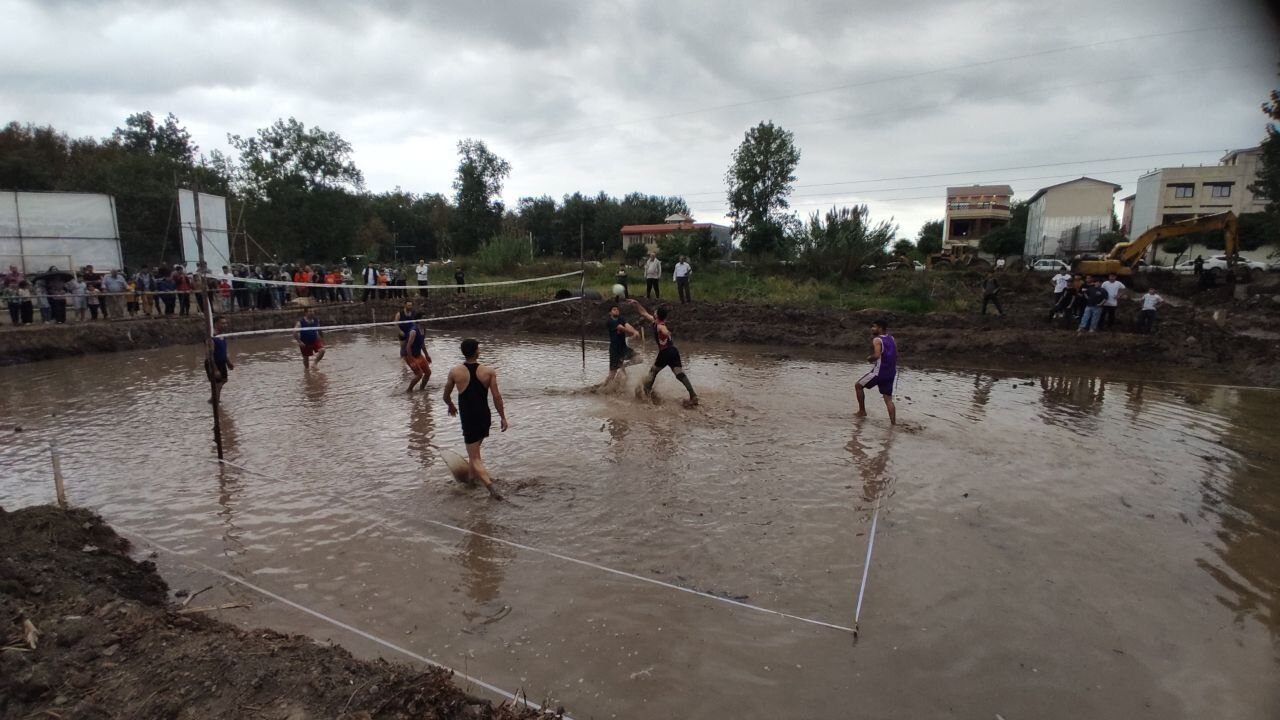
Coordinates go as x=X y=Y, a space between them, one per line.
x=595 y=96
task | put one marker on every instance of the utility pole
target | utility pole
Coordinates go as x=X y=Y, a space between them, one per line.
x=206 y=303
x=582 y=294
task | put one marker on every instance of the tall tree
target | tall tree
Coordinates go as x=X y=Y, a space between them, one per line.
x=929 y=239
x=478 y=187
x=142 y=134
x=1268 y=183
x=760 y=180
x=287 y=153
x=844 y=240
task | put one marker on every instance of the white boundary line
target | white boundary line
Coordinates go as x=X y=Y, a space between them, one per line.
x=333 y=621
x=594 y=566
x=360 y=326
x=290 y=283
x=866 y=566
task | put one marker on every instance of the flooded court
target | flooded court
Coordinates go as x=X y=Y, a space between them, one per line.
x=1048 y=546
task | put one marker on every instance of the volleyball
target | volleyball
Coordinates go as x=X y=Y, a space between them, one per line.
x=619 y=290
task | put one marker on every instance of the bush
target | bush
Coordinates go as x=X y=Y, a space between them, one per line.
x=500 y=255
x=635 y=253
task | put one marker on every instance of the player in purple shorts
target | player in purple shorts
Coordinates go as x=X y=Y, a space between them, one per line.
x=883 y=374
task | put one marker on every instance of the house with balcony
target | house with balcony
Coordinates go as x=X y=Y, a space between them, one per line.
x=973 y=211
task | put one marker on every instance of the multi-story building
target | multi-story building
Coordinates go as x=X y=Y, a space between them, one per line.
x=973 y=211
x=649 y=235
x=1066 y=219
x=1182 y=193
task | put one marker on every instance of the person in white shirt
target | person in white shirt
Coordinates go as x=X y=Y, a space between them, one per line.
x=422 y=271
x=681 y=278
x=1114 y=289
x=1061 y=282
x=652 y=272
x=370 y=282
x=1147 y=316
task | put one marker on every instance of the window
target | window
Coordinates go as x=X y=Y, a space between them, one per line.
x=1184 y=191
x=1219 y=190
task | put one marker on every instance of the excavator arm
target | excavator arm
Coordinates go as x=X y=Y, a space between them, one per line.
x=1131 y=252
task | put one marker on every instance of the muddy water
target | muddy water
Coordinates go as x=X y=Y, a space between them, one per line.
x=1048 y=546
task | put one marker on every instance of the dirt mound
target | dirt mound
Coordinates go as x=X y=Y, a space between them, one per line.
x=110 y=646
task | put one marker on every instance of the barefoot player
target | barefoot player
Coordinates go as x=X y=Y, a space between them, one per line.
x=474 y=382
x=306 y=332
x=414 y=352
x=620 y=354
x=668 y=355
x=884 y=371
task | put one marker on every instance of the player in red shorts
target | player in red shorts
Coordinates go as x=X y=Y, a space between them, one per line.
x=309 y=338
x=416 y=356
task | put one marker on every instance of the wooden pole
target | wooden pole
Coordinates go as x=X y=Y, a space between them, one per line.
x=58 y=486
x=203 y=269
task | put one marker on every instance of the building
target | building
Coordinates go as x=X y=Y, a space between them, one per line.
x=649 y=235
x=974 y=211
x=1066 y=219
x=1126 y=215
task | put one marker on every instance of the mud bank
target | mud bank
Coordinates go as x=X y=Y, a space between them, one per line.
x=1239 y=343
x=111 y=645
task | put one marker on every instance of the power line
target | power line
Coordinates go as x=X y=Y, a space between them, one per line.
x=892 y=78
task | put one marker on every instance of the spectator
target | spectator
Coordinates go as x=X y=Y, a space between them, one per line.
x=9 y=284
x=156 y=300
x=303 y=275
x=146 y=285
x=384 y=276
x=652 y=272
x=42 y=300
x=113 y=290
x=423 y=275
x=681 y=278
x=131 y=300
x=333 y=279
x=1094 y=296
x=1198 y=265
x=1114 y=289
x=76 y=288
x=240 y=286
x=460 y=277
x=1147 y=316
x=347 y=280
x=182 y=285
x=991 y=294
x=164 y=290
x=1061 y=282
x=370 y=282
x=23 y=293
x=57 y=288
x=224 y=294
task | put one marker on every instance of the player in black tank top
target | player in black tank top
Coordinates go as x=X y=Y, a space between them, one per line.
x=473 y=407
x=668 y=355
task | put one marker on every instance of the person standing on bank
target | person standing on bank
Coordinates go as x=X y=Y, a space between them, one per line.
x=991 y=294
x=370 y=281
x=1147 y=316
x=460 y=277
x=652 y=274
x=423 y=273
x=474 y=382
x=1115 y=289
x=621 y=279
x=681 y=278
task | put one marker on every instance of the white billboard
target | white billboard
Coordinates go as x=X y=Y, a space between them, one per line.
x=60 y=229
x=213 y=229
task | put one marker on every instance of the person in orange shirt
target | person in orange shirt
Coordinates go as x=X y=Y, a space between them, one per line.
x=333 y=279
x=302 y=275
x=382 y=284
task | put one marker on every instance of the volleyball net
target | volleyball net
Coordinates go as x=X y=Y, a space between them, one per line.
x=340 y=307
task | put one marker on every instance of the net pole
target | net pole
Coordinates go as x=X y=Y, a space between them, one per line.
x=203 y=269
x=582 y=295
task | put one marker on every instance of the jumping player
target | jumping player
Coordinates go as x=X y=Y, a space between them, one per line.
x=475 y=382
x=218 y=362
x=620 y=354
x=884 y=353
x=309 y=338
x=414 y=351
x=668 y=355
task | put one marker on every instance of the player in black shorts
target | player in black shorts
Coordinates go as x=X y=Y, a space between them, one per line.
x=668 y=355
x=620 y=354
x=475 y=383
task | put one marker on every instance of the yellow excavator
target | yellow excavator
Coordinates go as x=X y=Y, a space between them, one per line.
x=957 y=257
x=1125 y=257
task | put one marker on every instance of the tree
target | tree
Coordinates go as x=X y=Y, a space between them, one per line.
x=929 y=239
x=141 y=134
x=702 y=246
x=1258 y=229
x=477 y=188
x=760 y=178
x=843 y=241
x=1177 y=246
x=904 y=248
x=375 y=240
x=671 y=246
x=1268 y=183
x=1108 y=240
x=1003 y=241
x=288 y=154
x=635 y=252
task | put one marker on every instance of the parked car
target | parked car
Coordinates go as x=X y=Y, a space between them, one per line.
x=1218 y=262
x=1049 y=265
x=915 y=265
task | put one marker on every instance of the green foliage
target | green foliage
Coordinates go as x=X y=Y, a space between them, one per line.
x=500 y=255
x=477 y=188
x=1268 y=183
x=1003 y=241
x=1176 y=246
x=287 y=157
x=929 y=239
x=141 y=134
x=1108 y=240
x=760 y=178
x=1258 y=229
x=904 y=248
x=672 y=246
x=843 y=241
x=702 y=246
x=600 y=218
x=635 y=253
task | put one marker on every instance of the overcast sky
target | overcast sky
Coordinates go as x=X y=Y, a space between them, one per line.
x=653 y=95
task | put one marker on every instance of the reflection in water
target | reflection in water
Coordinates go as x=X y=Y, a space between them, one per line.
x=982 y=385
x=482 y=561
x=422 y=431
x=872 y=459
x=1133 y=400
x=315 y=385
x=1071 y=401
x=229 y=485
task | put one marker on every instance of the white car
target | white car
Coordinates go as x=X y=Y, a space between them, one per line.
x=1049 y=265
x=1219 y=262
